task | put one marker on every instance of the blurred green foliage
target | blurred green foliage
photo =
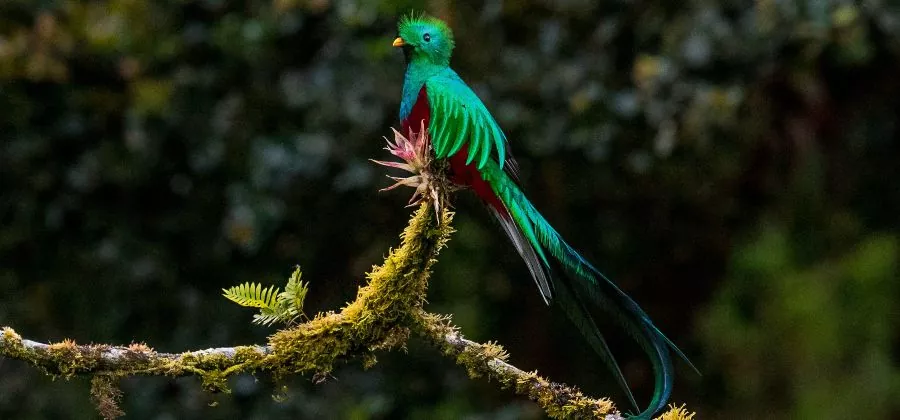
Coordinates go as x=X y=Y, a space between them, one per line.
x=729 y=163
x=829 y=350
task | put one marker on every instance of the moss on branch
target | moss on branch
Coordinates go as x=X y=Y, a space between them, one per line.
x=386 y=311
x=490 y=360
x=379 y=317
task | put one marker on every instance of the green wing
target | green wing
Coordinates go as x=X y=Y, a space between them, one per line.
x=458 y=117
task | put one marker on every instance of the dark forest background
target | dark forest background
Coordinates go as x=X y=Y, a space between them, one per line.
x=732 y=164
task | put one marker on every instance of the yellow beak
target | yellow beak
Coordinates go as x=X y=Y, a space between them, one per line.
x=398 y=42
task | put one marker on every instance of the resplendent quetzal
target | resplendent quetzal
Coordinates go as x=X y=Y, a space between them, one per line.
x=463 y=131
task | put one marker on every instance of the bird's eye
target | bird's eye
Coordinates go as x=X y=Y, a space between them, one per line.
x=427 y=37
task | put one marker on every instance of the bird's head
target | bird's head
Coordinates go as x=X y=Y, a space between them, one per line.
x=425 y=38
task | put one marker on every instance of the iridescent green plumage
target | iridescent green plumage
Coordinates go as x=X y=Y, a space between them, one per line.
x=465 y=120
x=464 y=132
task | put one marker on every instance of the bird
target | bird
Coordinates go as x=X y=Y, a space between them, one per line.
x=464 y=134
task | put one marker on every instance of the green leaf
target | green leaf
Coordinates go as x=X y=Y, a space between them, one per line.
x=274 y=305
x=295 y=292
x=253 y=295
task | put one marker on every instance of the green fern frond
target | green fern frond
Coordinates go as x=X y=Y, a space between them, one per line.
x=253 y=295
x=279 y=313
x=267 y=319
x=274 y=305
x=295 y=292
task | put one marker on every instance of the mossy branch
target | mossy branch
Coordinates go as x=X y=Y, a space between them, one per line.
x=66 y=358
x=490 y=360
x=386 y=311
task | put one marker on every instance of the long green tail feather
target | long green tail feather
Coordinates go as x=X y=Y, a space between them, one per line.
x=575 y=309
x=587 y=284
x=522 y=239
